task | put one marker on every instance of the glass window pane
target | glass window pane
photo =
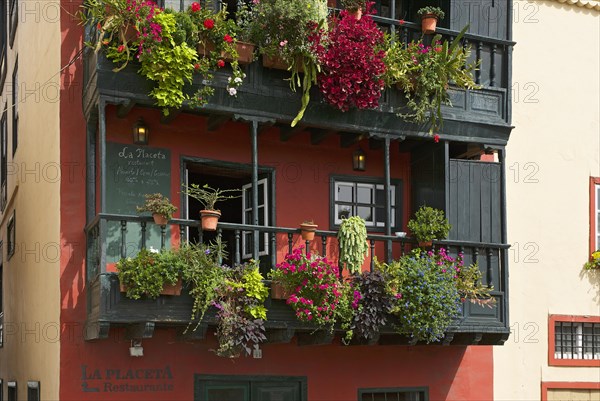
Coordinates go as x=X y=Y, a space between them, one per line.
x=364 y=194
x=226 y=394
x=366 y=213
x=261 y=216
x=261 y=194
x=248 y=198
x=345 y=192
x=343 y=211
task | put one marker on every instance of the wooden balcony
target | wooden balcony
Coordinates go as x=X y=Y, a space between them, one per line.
x=480 y=116
x=108 y=307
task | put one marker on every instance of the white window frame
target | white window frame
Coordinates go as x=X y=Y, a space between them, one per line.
x=247 y=253
x=375 y=187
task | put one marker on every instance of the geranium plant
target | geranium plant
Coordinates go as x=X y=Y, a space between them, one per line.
x=314 y=287
x=424 y=73
x=240 y=311
x=352 y=65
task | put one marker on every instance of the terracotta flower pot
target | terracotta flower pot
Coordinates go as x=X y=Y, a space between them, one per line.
x=425 y=244
x=356 y=14
x=245 y=52
x=308 y=231
x=159 y=219
x=277 y=63
x=278 y=291
x=428 y=23
x=168 y=289
x=210 y=218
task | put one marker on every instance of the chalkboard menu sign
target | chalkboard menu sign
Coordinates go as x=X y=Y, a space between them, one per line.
x=132 y=172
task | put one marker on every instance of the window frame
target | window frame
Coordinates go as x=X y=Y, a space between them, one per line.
x=11 y=236
x=567 y=386
x=13 y=20
x=362 y=391
x=33 y=386
x=15 y=107
x=12 y=384
x=397 y=187
x=552 y=360
x=3 y=160
x=200 y=381
x=594 y=212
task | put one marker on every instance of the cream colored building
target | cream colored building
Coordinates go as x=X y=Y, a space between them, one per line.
x=30 y=187
x=552 y=155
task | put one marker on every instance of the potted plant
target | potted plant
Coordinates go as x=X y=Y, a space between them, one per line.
x=247 y=28
x=351 y=59
x=287 y=31
x=307 y=230
x=159 y=205
x=429 y=224
x=314 y=288
x=429 y=18
x=424 y=73
x=355 y=7
x=594 y=262
x=241 y=313
x=150 y=273
x=208 y=197
x=352 y=238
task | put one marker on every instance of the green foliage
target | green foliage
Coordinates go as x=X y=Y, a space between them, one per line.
x=429 y=224
x=438 y=12
x=209 y=196
x=240 y=310
x=147 y=273
x=426 y=296
x=202 y=272
x=158 y=203
x=594 y=262
x=424 y=73
x=352 y=237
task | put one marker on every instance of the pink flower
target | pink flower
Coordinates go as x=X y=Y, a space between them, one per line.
x=120 y=49
x=227 y=38
x=209 y=23
x=283 y=43
x=401 y=22
x=195 y=7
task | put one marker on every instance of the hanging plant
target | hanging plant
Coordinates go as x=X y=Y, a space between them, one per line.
x=352 y=62
x=352 y=237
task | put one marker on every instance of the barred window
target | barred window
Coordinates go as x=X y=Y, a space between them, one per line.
x=576 y=340
x=393 y=394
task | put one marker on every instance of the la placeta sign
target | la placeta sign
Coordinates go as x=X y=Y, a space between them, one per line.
x=117 y=380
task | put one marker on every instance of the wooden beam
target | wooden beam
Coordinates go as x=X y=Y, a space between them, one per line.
x=280 y=336
x=216 y=121
x=347 y=140
x=319 y=337
x=124 y=108
x=286 y=133
x=168 y=119
x=139 y=330
x=319 y=135
x=96 y=331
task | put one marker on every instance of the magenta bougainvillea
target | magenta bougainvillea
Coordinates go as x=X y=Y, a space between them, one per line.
x=352 y=62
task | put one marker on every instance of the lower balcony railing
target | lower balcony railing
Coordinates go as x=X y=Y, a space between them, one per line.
x=109 y=238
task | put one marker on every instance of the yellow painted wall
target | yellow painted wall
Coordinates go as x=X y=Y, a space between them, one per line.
x=552 y=152
x=31 y=276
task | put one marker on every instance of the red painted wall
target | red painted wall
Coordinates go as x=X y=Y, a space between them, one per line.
x=334 y=372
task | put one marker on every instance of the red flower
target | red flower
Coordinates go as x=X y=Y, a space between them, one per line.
x=209 y=23
x=196 y=66
x=227 y=38
x=195 y=7
x=99 y=26
x=221 y=63
x=436 y=138
x=401 y=22
x=120 y=49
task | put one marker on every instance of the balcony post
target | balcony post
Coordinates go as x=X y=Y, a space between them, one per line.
x=102 y=140
x=254 y=139
x=388 y=199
